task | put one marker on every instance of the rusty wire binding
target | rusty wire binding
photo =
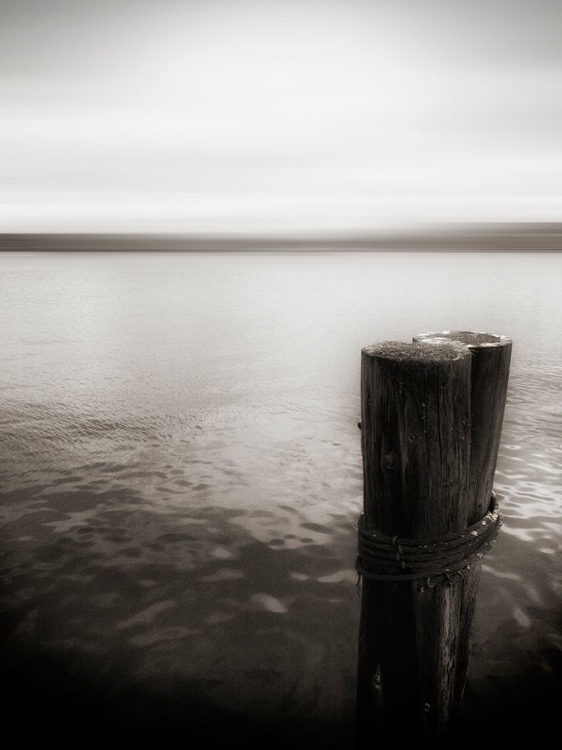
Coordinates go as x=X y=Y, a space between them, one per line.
x=383 y=558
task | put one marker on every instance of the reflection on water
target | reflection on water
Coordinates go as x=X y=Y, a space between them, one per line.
x=181 y=472
x=149 y=599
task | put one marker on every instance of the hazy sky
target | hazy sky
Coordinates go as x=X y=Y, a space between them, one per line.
x=278 y=115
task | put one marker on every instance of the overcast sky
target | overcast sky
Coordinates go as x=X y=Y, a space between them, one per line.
x=278 y=115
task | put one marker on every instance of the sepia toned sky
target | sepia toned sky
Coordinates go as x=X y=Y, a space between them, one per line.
x=278 y=115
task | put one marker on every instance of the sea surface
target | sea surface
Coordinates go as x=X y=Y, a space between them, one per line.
x=180 y=474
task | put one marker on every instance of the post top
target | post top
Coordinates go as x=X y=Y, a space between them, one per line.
x=417 y=352
x=472 y=339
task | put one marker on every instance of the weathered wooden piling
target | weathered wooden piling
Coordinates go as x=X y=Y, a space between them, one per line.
x=418 y=553
x=491 y=358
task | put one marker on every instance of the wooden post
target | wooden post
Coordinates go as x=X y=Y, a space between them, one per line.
x=491 y=357
x=416 y=437
x=489 y=375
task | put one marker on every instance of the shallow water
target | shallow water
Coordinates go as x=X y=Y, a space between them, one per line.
x=181 y=472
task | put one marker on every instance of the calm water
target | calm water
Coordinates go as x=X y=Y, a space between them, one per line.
x=180 y=473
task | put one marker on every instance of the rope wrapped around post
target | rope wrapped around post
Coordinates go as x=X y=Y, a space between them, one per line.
x=384 y=558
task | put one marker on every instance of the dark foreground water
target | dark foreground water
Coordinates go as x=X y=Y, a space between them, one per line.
x=180 y=473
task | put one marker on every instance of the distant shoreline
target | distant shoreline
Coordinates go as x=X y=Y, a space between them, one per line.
x=524 y=237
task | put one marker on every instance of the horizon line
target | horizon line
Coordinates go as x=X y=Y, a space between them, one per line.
x=525 y=236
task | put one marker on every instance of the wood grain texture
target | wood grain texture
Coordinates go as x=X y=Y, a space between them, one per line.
x=416 y=453
x=491 y=358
